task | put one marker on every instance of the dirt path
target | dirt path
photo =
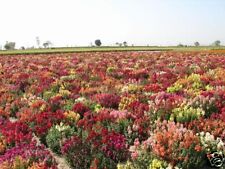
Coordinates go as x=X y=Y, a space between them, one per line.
x=62 y=164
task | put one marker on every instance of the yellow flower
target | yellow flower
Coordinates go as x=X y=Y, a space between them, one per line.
x=157 y=164
x=175 y=88
x=72 y=115
x=194 y=78
x=64 y=92
x=131 y=88
x=97 y=108
x=58 y=94
x=125 y=101
x=43 y=107
x=72 y=72
x=127 y=165
x=120 y=166
x=208 y=87
x=186 y=113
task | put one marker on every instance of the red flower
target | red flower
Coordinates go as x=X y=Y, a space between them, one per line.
x=107 y=100
x=80 y=108
x=16 y=133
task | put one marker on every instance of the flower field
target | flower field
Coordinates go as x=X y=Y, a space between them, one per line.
x=113 y=110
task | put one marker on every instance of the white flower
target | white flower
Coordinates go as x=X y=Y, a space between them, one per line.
x=209 y=137
x=177 y=167
x=169 y=166
x=202 y=134
x=220 y=145
x=132 y=148
x=61 y=127
x=80 y=99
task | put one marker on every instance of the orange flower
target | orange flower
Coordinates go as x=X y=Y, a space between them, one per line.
x=162 y=151
x=38 y=166
x=198 y=148
x=4 y=113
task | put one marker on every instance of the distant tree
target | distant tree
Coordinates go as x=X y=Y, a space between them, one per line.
x=197 y=44
x=22 y=48
x=10 y=45
x=30 y=47
x=47 y=44
x=125 y=43
x=121 y=44
x=180 y=45
x=217 y=43
x=98 y=42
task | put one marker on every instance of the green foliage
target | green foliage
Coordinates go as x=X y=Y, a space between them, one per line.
x=197 y=44
x=77 y=153
x=57 y=134
x=69 y=105
x=47 y=44
x=102 y=49
x=48 y=94
x=186 y=114
x=10 y=45
x=216 y=43
x=105 y=162
x=98 y=42
x=175 y=88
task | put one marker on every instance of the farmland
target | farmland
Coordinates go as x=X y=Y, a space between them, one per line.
x=109 y=49
x=112 y=110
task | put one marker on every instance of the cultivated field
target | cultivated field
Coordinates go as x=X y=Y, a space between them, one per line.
x=110 y=49
x=112 y=110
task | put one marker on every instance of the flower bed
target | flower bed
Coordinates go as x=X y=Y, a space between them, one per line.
x=111 y=110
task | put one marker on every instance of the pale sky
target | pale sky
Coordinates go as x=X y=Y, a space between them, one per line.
x=139 y=22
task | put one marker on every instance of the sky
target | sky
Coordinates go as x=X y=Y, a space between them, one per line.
x=138 y=22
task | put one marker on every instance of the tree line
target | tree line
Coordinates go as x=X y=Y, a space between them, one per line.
x=48 y=44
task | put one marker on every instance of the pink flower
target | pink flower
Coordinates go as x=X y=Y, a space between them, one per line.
x=134 y=155
x=119 y=114
x=136 y=142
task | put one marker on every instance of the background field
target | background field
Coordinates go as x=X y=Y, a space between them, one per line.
x=110 y=49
